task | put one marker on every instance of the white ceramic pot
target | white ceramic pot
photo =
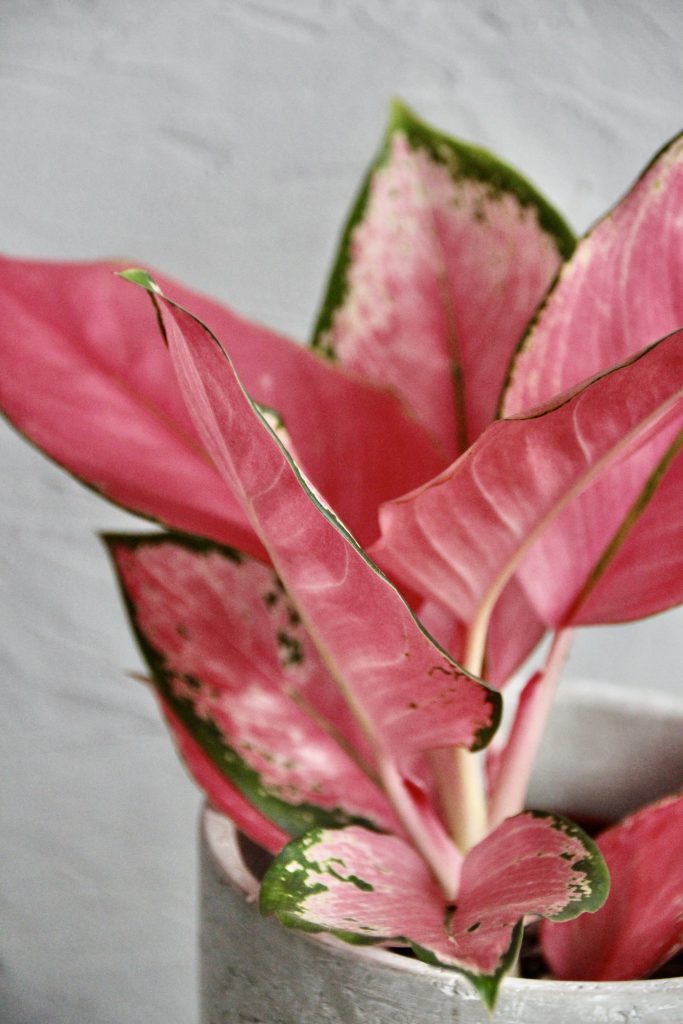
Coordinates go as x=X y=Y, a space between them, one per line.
x=607 y=750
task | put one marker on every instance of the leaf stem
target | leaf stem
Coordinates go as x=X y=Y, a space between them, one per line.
x=517 y=758
x=424 y=828
x=458 y=772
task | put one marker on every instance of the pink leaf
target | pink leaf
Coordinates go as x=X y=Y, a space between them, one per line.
x=393 y=676
x=237 y=672
x=622 y=289
x=642 y=568
x=406 y=693
x=92 y=386
x=225 y=797
x=366 y=887
x=446 y=256
x=514 y=632
x=87 y=363
x=578 y=465
x=641 y=924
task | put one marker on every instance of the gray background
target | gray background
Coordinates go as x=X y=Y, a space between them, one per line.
x=222 y=141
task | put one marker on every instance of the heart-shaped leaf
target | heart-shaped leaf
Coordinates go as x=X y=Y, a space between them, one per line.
x=371 y=888
x=579 y=464
x=406 y=693
x=87 y=363
x=243 y=686
x=445 y=256
x=641 y=924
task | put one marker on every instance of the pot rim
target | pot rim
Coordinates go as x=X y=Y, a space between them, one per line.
x=221 y=838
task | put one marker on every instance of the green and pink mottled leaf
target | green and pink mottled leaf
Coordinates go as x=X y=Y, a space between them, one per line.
x=580 y=464
x=87 y=363
x=371 y=888
x=222 y=794
x=641 y=925
x=244 y=687
x=444 y=259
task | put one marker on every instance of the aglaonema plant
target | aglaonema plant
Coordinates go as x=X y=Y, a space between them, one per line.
x=359 y=533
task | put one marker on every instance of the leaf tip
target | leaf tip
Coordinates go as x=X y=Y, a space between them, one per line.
x=400 y=115
x=136 y=275
x=486 y=732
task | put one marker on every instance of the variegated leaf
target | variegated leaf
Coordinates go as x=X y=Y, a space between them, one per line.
x=445 y=256
x=245 y=689
x=371 y=888
x=221 y=792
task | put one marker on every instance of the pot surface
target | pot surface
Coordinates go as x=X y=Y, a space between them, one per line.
x=255 y=971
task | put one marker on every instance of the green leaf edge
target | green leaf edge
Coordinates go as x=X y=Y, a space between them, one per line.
x=593 y=864
x=283 y=890
x=621 y=534
x=295 y=819
x=473 y=162
x=494 y=699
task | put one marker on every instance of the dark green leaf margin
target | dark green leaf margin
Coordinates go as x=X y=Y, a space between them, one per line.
x=295 y=875
x=463 y=161
x=291 y=879
x=293 y=818
x=592 y=865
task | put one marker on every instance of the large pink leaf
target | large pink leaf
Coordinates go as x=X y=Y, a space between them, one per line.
x=541 y=495
x=446 y=255
x=92 y=386
x=398 y=681
x=641 y=924
x=236 y=671
x=406 y=693
x=366 y=887
x=621 y=291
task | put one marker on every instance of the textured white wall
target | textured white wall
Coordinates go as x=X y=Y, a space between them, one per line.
x=222 y=141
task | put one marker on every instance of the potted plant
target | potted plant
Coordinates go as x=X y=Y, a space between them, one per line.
x=364 y=541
